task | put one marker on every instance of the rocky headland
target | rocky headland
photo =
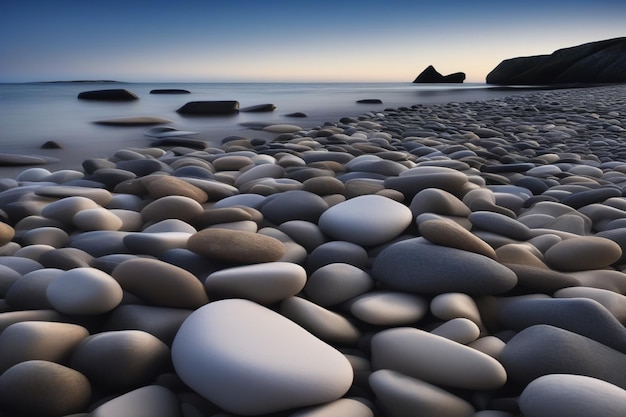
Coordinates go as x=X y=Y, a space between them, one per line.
x=463 y=260
x=431 y=75
x=602 y=62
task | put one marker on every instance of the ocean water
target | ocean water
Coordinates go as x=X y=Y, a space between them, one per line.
x=33 y=113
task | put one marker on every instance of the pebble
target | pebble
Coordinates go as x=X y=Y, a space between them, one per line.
x=236 y=246
x=236 y=379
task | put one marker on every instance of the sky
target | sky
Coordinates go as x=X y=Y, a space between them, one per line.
x=287 y=41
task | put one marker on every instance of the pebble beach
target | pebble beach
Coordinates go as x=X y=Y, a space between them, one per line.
x=447 y=260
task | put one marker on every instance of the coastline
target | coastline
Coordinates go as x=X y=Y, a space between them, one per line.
x=477 y=234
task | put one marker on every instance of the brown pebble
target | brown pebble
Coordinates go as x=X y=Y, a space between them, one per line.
x=236 y=246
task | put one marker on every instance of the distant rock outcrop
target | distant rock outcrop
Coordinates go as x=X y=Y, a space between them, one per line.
x=113 y=94
x=210 y=107
x=431 y=75
x=601 y=62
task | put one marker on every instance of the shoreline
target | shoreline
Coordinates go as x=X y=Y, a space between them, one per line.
x=357 y=265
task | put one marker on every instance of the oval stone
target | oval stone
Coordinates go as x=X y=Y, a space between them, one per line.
x=161 y=284
x=84 y=291
x=387 y=308
x=563 y=395
x=265 y=283
x=366 y=220
x=148 y=401
x=42 y=388
x=583 y=253
x=415 y=265
x=435 y=359
x=236 y=246
x=250 y=360
x=401 y=395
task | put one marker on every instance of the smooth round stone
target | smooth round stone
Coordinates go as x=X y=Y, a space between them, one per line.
x=337 y=252
x=325 y=324
x=489 y=345
x=157 y=243
x=63 y=210
x=43 y=388
x=387 y=308
x=500 y=224
x=98 y=195
x=583 y=198
x=366 y=220
x=415 y=265
x=215 y=190
x=435 y=359
x=165 y=185
x=451 y=234
x=222 y=215
x=126 y=202
x=335 y=283
x=32 y=174
x=266 y=283
x=460 y=330
x=259 y=172
x=433 y=200
x=148 y=401
x=29 y=340
x=111 y=177
x=293 y=205
x=615 y=303
x=21 y=265
x=52 y=236
x=245 y=200
x=161 y=322
x=236 y=246
x=324 y=185
x=172 y=207
x=562 y=395
x=583 y=253
x=161 y=284
x=345 y=407
x=96 y=219
x=8 y=277
x=269 y=347
x=542 y=349
x=121 y=360
x=602 y=278
x=416 y=179
x=84 y=291
x=401 y=395
x=307 y=234
x=29 y=292
x=131 y=220
x=66 y=258
x=100 y=242
x=580 y=315
x=282 y=128
x=6 y=233
x=520 y=254
x=455 y=305
x=231 y=162
x=33 y=252
x=540 y=279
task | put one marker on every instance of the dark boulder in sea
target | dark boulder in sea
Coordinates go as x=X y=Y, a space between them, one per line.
x=170 y=91
x=431 y=75
x=52 y=144
x=113 y=94
x=259 y=108
x=209 y=107
x=296 y=114
x=601 y=62
x=370 y=101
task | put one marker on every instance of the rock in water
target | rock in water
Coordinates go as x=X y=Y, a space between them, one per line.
x=276 y=365
x=431 y=75
x=113 y=94
x=209 y=107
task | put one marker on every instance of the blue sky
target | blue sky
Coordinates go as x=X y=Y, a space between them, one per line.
x=271 y=40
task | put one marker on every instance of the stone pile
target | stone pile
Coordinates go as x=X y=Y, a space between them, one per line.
x=464 y=259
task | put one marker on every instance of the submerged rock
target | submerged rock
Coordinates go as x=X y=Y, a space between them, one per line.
x=113 y=94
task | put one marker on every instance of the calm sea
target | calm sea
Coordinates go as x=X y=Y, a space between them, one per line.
x=33 y=113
